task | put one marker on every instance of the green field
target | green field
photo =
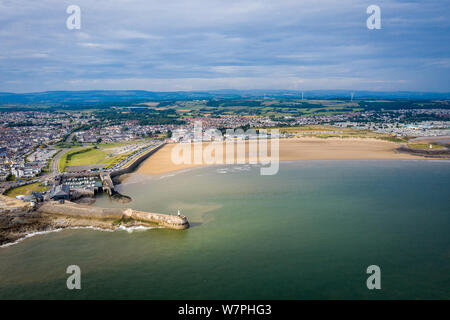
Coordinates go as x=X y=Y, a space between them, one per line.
x=325 y=131
x=261 y=107
x=26 y=190
x=425 y=146
x=102 y=154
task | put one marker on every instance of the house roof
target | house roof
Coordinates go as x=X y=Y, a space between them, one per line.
x=60 y=190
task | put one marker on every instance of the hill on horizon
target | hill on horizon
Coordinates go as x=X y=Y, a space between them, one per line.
x=105 y=96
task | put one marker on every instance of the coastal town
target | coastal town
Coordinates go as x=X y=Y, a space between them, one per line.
x=224 y=159
x=72 y=156
x=31 y=140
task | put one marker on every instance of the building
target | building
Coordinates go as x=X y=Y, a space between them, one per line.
x=17 y=172
x=60 y=192
x=37 y=196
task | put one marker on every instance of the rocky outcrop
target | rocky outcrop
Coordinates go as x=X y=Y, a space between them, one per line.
x=436 y=153
x=15 y=226
x=18 y=223
x=120 y=197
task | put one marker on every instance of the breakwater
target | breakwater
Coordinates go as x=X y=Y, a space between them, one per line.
x=70 y=209
x=169 y=221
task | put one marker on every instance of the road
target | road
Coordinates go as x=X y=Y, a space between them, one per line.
x=54 y=165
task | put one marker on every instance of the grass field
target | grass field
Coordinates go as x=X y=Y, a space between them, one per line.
x=275 y=107
x=67 y=157
x=102 y=154
x=424 y=146
x=26 y=190
x=325 y=131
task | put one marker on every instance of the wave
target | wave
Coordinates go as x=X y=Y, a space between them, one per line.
x=37 y=233
x=29 y=236
x=135 y=228
x=174 y=173
x=233 y=169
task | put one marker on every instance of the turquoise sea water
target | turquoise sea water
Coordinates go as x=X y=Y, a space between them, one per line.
x=308 y=232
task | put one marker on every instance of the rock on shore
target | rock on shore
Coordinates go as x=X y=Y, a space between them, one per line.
x=16 y=224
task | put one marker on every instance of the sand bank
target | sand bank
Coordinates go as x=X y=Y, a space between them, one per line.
x=292 y=149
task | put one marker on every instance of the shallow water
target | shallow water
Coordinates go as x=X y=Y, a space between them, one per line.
x=308 y=232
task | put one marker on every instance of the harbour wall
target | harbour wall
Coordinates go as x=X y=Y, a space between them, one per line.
x=168 y=221
x=71 y=209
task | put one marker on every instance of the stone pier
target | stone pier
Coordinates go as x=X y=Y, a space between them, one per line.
x=178 y=222
x=70 y=209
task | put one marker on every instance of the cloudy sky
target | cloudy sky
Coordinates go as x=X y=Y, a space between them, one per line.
x=167 y=45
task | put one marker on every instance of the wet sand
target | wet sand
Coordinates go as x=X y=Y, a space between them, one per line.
x=289 y=150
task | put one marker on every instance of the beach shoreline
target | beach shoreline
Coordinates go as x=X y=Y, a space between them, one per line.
x=293 y=149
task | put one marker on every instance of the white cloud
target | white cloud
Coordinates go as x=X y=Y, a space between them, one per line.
x=131 y=34
x=235 y=44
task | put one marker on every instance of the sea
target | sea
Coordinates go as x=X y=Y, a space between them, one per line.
x=309 y=232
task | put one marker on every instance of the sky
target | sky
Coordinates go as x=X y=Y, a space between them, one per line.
x=171 y=45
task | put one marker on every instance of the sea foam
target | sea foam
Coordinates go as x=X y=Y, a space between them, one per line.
x=120 y=228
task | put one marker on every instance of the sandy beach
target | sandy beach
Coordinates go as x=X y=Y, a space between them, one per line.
x=289 y=150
